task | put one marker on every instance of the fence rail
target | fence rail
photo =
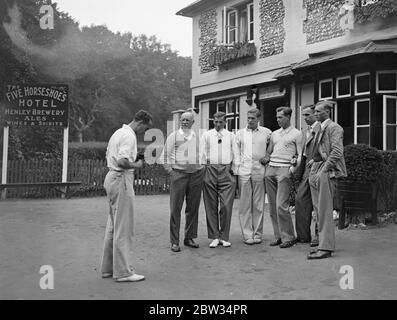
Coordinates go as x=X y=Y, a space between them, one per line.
x=150 y=179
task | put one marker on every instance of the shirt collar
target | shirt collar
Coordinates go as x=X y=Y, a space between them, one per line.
x=189 y=136
x=324 y=123
x=248 y=129
x=313 y=125
x=219 y=133
x=127 y=127
x=286 y=130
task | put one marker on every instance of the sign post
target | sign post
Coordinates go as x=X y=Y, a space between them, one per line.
x=36 y=105
x=5 y=159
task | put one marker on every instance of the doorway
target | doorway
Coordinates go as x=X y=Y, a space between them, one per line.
x=268 y=109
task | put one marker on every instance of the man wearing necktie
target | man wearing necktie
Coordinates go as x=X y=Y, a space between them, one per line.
x=303 y=200
x=327 y=165
x=219 y=154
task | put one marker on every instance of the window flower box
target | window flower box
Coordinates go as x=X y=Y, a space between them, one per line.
x=223 y=55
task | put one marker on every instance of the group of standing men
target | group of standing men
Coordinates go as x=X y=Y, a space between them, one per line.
x=261 y=160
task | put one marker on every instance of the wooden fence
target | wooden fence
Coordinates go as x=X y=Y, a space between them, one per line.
x=150 y=179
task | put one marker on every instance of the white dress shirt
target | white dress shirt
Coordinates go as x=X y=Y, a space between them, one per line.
x=122 y=144
x=218 y=147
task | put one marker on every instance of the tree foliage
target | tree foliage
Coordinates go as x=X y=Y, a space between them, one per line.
x=110 y=75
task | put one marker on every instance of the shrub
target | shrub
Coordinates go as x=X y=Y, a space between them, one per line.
x=388 y=180
x=87 y=150
x=364 y=164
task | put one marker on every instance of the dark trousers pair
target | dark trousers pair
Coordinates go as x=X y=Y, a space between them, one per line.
x=218 y=191
x=185 y=186
x=304 y=209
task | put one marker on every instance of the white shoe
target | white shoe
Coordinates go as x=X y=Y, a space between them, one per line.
x=106 y=275
x=257 y=240
x=214 y=243
x=133 y=278
x=226 y=244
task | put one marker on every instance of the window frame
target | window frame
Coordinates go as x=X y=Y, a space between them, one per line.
x=235 y=116
x=250 y=20
x=355 y=84
x=319 y=89
x=226 y=30
x=236 y=27
x=356 y=126
x=377 y=81
x=337 y=87
x=385 y=124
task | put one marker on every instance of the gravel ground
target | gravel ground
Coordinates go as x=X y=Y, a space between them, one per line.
x=68 y=235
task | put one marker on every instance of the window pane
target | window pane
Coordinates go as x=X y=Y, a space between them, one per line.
x=232 y=20
x=221 y=107
x=326 y=89
x=344 y=87
x=363 y=135
x=391 y=137
x=243 y=26
x=362 y=83
x=387 y=81
x=230 y=124
x=391 y=109
x=232 y=36
x=230 y=106
x=362 y=113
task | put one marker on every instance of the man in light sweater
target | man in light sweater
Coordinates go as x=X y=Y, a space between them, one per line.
x=181 y=160
x=285 y=144
x=252 y=143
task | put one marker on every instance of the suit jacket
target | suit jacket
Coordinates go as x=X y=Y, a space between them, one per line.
x=330 y=148
x=308 y=144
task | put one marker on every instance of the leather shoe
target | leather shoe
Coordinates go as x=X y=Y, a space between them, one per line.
x=320 y=254
x=288 y=244
x=175 y=248
x=190 y=243
x=302 y=241
x=276 y=242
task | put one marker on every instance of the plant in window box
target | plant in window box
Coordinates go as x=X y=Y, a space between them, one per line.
x=224 y=54
x=375 y=9
x=357 y=193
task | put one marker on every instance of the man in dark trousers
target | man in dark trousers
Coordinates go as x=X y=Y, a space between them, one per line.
x=218 y=154
x=181 y=160
x=328 y=164
x=303 y=200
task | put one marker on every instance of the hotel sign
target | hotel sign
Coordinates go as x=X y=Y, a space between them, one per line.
x=41 y=105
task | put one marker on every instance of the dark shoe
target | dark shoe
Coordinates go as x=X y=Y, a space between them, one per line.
x=302 y=241
x=175 y=248
x=288 y=244
x=320 y=254
x=314 y=243
x=190 y=243
x=276 y=242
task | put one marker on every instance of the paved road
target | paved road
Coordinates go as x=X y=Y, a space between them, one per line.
x=68 y=234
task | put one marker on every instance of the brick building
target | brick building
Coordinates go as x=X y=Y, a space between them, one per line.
x=268 y=53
